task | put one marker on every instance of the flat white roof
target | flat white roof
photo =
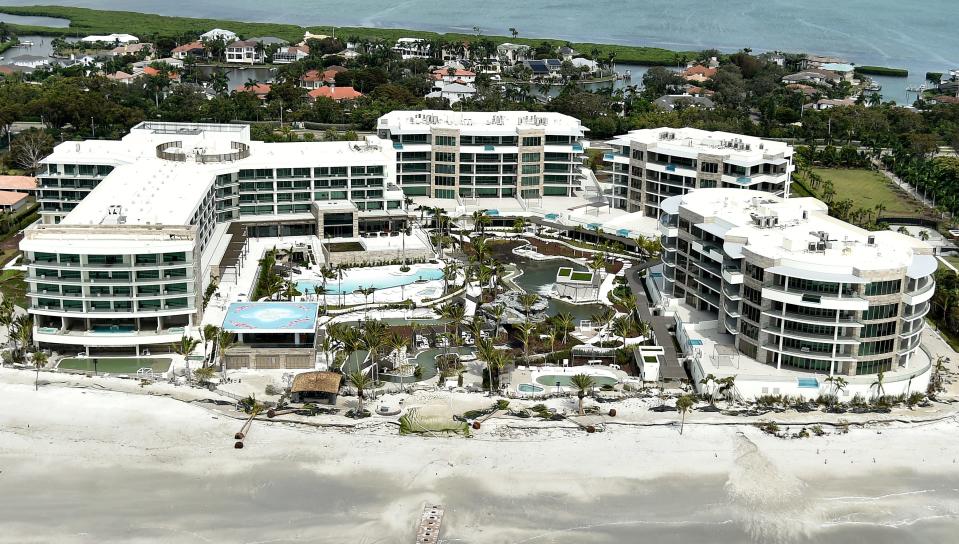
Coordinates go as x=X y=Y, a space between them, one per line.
x=794 y=224
x=689 y=142
x=480 y=122
x=151 y=190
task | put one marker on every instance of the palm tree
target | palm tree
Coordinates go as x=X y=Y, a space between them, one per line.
x=879 y=384
x=373 y=337
x=528 y=300
x=361 y=382
x=583 y=384
x=565 y=322
x=553 y=333
x=622 y=326
x=603 y=317
x=208 y=333
x=396 y=343
x=185 y=346
x=525 y=334
x=683 y=405
x=838 y=385
x=224 y=341
x=250 y=84
x=497 y=312
x=727 y=386
x=39 y=361
x=513 y=32
x=449 y=275
x=938 y=369
x=598 y=262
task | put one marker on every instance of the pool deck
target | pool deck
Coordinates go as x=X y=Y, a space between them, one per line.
x=527 y=375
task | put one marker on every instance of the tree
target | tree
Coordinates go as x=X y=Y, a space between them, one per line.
x=583 y=384
x=204 y=374
x=224 y=341
x=185 y=346
x=29 y=148
x=39 y=361
x=838 y=385
x=683 y=405
x=705 y=382
x=528 y=300
x=513 y=32
x=879 y=384
x=622 y=326
x=526 y=330
x=361 y=382
x=727 y=387
x=566 y=323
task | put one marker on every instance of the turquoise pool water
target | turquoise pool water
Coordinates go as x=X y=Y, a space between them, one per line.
x=695 y=342
x=550 y=380
x=811 y=383
x=362 y=278
x=529 y=388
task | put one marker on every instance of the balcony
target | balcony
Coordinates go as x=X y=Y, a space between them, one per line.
x=843 y=301
x=732 y=275
x=825 y=338
x=841 y=355
x=846 y=321
x=923 y=294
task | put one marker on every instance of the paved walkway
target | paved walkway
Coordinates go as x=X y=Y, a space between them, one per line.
x=673 y=369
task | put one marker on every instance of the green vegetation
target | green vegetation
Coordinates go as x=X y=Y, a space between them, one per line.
x=114 y=365
x=13 y=287
x=933 y=76
x=582 y=276
x=882 y=71
x=341 y=247
x=868 y=189
x=413 y=423
x=90 y=21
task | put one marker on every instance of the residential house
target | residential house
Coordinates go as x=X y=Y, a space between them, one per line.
x=512 y=53
x=698 y=73
x=150 y=71
x=829 y=103
x=121 y=77
x=335 y=93
x=6 y=71
x=270 y=40
x=816 y=61
x=30 y=61
x=111 y=38
x=454 y=92
x=566 y=53
x=670 y=102
x=314 y=79
x=195 y=49
x=293 y=53
x=218 y=34
x=814 y=76
x=943 y=99
x=413 y=48
x=244 y=52
x=807 y=90
x=454 y=75
x=544 y=68
x=260 y=90
x=845 y=71
x=131 y=49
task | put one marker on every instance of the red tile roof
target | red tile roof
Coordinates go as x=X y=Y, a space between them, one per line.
x=699 y=69
x=261 y=89
x=6 y=70
x=336 y=93
x=442 y=72
x=9 y=198
x=17 y=183
x=151 y=71
x=188 y=47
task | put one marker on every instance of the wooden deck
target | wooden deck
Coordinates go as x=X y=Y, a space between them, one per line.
x=428 y=531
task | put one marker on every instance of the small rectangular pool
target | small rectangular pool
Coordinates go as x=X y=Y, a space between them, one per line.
x=808 y=383
x=695 y=342
x=114 y=365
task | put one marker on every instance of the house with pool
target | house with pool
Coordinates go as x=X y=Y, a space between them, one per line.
x=270 y=335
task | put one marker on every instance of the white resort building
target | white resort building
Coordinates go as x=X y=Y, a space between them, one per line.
x=781 y=295
x=512 y=154
x=133 y=230
x=650 y=165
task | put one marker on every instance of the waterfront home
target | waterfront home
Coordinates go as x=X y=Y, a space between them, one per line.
x=218 y=34
x=244 y=52
x=195 y=49
x=698 y=73
x=454 y=75
x=260 y=90
x=806 y=90
x=943 y=99
x=670 y=102
x=829 y=103
x=150 y=71
x=293 y=53
x=111 y=38
x=335 y=93
x=131 y=49
x=566 y=52
x=544 y=68
x=270 y=40
x=814 y=76
x=30 y=61
x=845 y=71
x=512 y=53
x=413 y=48
x=454 y=92
x=6 y=71
x=816 y=61
x=314 y=79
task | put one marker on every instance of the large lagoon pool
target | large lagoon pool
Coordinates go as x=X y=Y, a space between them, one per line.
x=378 y=278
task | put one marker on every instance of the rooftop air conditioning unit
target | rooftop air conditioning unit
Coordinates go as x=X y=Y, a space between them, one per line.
x=871 y=240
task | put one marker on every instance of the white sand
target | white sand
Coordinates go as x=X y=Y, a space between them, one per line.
x=372 y=483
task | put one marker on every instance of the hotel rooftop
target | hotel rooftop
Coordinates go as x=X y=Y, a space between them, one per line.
x=690 y=142
x=493 y=122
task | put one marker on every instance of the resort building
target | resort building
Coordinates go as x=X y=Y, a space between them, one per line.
x=513 y=154
x=782 y=286
x=133 y=230
x=650 y=165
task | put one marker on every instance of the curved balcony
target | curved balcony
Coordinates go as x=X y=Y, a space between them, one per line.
x=173 y=151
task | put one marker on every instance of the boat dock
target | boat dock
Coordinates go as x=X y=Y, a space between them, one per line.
x=428 y=531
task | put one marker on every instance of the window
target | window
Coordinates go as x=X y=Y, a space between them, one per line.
x=881 y=312
x=444 y=157
x=445 y=168
x=449 y=141
x=531 y=169
x=709 y=167
x=877 y=288
x=876 y=348
x=873 y=330
x=529 y=180
x=531 y=157
x=532 y=141
x=873 y=367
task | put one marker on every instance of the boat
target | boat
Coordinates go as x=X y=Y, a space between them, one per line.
x=873 y=88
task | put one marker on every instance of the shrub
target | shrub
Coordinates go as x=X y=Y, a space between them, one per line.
x=502 y=404
x=843 y=426
x=817 y=430
x=914 y=399
x=769 y=427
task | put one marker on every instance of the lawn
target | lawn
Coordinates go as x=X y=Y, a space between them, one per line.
x=867 y=188
x=114 y=365
x=13 y=287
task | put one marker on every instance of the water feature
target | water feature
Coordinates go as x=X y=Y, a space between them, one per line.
x=359 y=278
x=539 y=276
x=33 y=20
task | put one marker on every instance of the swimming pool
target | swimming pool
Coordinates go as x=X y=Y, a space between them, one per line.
x=551 y=380
x=529 y=388
x=695 y=342
x=114 y=365
x=354 y=279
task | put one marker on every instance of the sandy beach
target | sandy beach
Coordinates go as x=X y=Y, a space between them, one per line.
x=86 y=465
